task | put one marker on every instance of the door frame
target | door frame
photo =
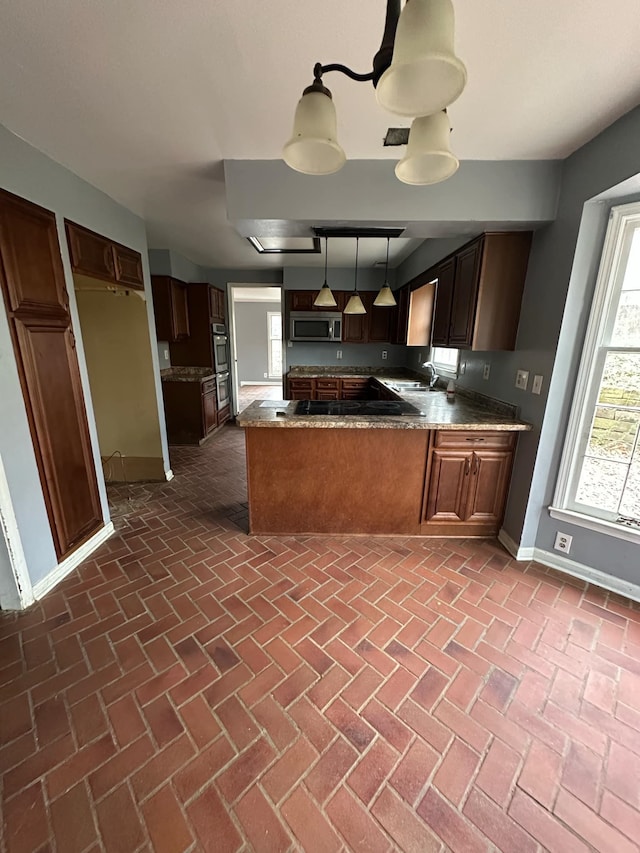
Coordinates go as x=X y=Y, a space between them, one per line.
x=235 y=384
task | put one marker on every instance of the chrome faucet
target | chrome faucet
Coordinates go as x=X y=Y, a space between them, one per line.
x=432 y=375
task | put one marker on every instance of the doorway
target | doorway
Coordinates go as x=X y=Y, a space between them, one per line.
x=256 y=343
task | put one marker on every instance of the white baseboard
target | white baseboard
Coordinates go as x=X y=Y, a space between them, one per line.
x=262 y=382
x=169 y=475
x=570 y=567
x=586 y=573
x=60 y=572
x=513 y=548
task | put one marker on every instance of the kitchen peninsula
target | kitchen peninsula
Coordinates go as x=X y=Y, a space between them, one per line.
x=442 y=470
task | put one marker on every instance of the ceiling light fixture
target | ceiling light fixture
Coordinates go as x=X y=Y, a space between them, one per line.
x=415 y=73
x=355 y=304
x=325 y=299
x=385 y=297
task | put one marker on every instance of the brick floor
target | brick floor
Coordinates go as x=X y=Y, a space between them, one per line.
x=193 y=688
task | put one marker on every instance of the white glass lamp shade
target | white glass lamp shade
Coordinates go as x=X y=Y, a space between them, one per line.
x=355 y=305
x=325 y=299
x=425 y=75
x=428 y=159
x=385 y=297
x=313 y=148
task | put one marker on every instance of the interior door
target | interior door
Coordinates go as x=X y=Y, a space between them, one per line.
x=35 y=296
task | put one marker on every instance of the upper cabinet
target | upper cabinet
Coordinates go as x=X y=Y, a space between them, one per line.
x=171 y=308
x=378 y=325
x=216 y=305
x=98 y=257
x=400 y=316
x=479 y=292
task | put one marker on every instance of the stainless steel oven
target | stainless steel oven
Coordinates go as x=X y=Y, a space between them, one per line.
x=222 y=387
x=220 y=353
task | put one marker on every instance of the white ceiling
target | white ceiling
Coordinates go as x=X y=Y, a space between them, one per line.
x=144 y=99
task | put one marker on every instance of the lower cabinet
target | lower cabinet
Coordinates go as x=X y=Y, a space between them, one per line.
x=467 y=481
x=191 y=411
x=331 y=388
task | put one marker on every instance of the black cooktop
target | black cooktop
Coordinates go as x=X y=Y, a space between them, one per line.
x=355 y=407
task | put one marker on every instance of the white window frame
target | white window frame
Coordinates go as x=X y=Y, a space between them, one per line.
x=622 y=220
x=270 y=339
x=445 y=369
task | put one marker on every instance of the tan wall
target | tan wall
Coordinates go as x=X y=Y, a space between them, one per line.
x=116 y=343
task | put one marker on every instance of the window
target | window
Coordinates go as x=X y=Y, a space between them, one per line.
x=600 y=473
x=274 y=335
x=445 y=360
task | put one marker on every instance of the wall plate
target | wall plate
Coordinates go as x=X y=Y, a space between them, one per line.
x=522 y=379
x=536 y=386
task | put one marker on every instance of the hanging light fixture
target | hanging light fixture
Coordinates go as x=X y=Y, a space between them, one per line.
x=325 y=299
x=428 y=159
x=425 y=75
x=355 y=304
x=415 y=73
x=385 y=297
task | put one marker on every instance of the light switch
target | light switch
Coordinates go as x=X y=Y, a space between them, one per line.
x=536 y=387
x=339 y=354
x=486 y=371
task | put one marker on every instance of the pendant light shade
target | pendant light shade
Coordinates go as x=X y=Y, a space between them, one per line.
x=385 y=297
x=425 y=75
x=355 y=304
x=313 y=148
x=428 y=159
x=325 y=299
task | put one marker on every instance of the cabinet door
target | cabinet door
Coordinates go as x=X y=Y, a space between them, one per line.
x=179 y=310
x=355 y=327
x=216 y=305
x=91 y=254
x=327 y=395
x=33 y=286
x=128 y=266
x=401 y=319
x=444 y=301
x=302 y=300
x=448 y=485
x=209 y=414
x=465 y=291
x=379 y=321
x=488 y=486
x=421 y=315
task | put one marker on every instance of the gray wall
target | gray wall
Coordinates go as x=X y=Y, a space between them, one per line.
x=555 y=309
x=251 y=339
x=30 y=174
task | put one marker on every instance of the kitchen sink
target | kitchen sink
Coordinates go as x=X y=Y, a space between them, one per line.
x=411 y=386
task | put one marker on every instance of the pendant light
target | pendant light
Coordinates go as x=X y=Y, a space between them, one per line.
x=385 y=297
x=355 y=305
x=425 y=75
x=428 y=159
x=325 y=299
x=313 y=148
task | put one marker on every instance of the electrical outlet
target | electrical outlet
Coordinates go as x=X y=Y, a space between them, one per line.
x=463 y=367
x=289 y=343
x=165 y=353
x=563 y=542
x=522 y=379
x=384 y=353
x=266 y=375
x=536 y=386
x=486 y=370
x=339 y=354
x=420 y=357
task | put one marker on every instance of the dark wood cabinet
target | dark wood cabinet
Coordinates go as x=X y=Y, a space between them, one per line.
x=467 y=482
x=171 y=308
x=302 y=300
x=400 y=317
x=34 y=291
x=209 y=413
x=98 y=257
x=378 y=325
x=91 y=254
x=332 y=388
x=479 y=292
x=216 y=304
x=356 y=389
x=381 y=321
x=446 y=273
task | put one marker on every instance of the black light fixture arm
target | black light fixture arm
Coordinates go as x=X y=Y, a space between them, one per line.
x=382 y=59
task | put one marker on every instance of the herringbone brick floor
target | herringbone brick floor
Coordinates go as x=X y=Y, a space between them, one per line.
x=193 y=688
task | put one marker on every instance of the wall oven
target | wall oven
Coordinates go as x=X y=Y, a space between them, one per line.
x=315 y=326
x=223 y=391
x=220 y=353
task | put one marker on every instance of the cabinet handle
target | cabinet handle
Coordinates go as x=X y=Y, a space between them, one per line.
x=467 y=467
x=474 y=439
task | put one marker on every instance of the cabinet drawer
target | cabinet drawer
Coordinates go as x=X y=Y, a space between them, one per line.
x=354 y=384
x=470 y=439
x=208 y=386
x=301 y=384
x=328 y=384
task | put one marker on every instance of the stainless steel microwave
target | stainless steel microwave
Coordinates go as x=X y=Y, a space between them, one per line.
x=315 y=326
